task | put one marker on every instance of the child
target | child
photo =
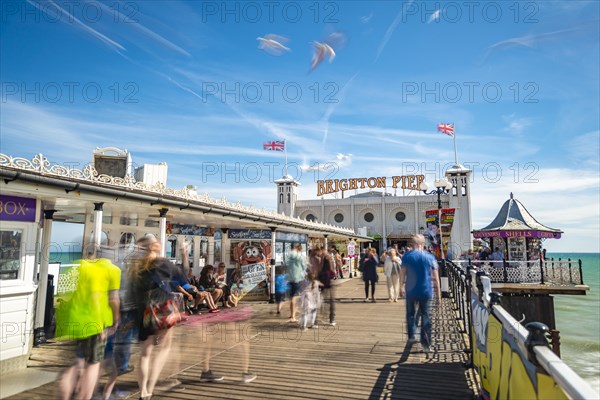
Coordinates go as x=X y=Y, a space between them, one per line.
x=310 y=301
x=281 y=287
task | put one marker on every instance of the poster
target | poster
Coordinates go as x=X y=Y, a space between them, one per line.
x=252 y=284
x=433 y=234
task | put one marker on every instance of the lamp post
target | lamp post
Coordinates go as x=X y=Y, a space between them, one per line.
x=442 y=186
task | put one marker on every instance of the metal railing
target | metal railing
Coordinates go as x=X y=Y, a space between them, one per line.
x=471 y=288
x=556 y=272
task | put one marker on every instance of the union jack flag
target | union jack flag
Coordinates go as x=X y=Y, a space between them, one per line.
x=277 y=145
x=448 y=129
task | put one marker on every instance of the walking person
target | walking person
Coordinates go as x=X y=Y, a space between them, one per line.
x=296 y=271
x=281 y=287
x=310 y=301
x=315 y=261
x=90 y=317
x=337 y=258
x=420 y=269
x=151 y=279
x=391 y=270
x=369 y=273
x=325 y=277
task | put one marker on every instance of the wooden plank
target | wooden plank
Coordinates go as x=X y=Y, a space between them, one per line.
x=364 y=356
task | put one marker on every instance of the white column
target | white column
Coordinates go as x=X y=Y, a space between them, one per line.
x=162 y=230
x=40 y=310
x=224 y=252
x=352 y=215
x=416 y=214
x=97 y=226
x=326 y=243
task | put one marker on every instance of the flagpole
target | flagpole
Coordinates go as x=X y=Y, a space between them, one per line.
x=286 y=162
x=454 y=137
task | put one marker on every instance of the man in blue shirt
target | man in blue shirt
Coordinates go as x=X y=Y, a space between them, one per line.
x=421 y=270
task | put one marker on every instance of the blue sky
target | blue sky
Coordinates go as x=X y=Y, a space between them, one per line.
x=185 y=83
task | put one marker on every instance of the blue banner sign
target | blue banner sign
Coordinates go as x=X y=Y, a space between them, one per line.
x=291 y=237
x=190 y=230
x=258 y=234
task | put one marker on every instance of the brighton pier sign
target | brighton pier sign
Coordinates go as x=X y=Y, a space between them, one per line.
x=410 y=182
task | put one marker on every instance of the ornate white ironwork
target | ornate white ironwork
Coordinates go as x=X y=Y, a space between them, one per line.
x=40 y=164
x=563 y=272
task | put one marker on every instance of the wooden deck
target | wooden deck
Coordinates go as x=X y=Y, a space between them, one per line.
x=364 y=357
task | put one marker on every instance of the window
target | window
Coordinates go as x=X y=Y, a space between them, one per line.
x=10 y=253
x=338 y=218
x=106 y=218
x=400 y=216
x=218 y=243
x=128 y=221
x=311 y=218
x=171 y=250
x=151 y=223
x=126 y=244
x=369 y=217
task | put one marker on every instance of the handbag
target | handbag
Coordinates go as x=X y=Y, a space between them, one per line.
x=159 y=315
x=162 y=311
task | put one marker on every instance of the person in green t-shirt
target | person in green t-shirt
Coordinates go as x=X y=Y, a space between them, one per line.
x=89 y=317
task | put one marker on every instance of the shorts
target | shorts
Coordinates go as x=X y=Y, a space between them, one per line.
x=279 y=297
x=91 y=349
x=294 y=288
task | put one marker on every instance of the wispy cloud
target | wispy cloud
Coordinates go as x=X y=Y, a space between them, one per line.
x=332 y=107
x=103 y=38
x=366 y=18
x=128 y=22
x=435 y=16
x=585 y=149
x=516 y=125
x=531 y=40
x=340 y=161
x=391 y=29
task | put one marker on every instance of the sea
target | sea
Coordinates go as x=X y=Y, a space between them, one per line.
x=578 y=320
x=577 y=317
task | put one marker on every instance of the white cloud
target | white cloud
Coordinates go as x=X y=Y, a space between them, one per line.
x=340 y=161
x=585 y=149
x=366 y=18
x=434 y=17
x=516 y=125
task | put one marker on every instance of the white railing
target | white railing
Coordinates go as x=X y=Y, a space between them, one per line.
x=541 y=354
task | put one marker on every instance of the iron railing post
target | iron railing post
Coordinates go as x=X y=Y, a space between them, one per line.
x=580 y=272
x=469 y=317
x=560 y=270
x=542 y=271
x=504 y=271
x=570 y=273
